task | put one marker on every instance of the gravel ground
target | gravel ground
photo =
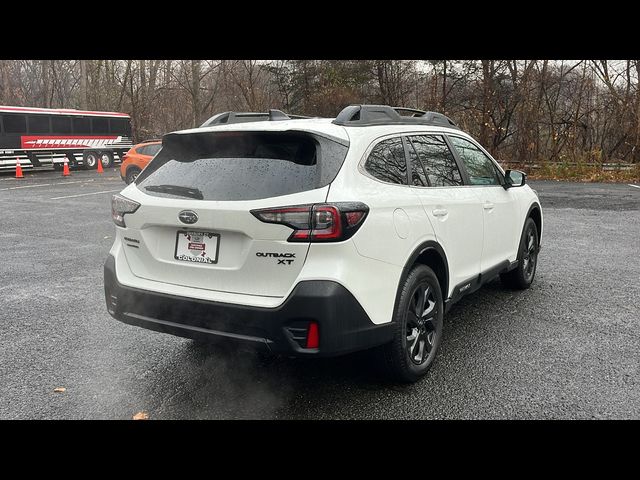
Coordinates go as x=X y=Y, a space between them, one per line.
x=566 y=348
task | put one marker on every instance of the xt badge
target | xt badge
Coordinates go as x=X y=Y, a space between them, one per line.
x=283 y=258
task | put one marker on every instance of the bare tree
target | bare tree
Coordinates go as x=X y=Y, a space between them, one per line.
x=524 y=110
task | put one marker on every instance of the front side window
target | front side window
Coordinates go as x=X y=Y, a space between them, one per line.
x=438 y=161
x=480 y=168
x=387 y=163
x=120 y=126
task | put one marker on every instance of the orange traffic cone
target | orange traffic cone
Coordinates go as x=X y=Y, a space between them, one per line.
x=18 y=169
x=100 y=170
x=65 y=169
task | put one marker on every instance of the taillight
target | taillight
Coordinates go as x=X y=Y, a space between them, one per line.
x=120 y=206
x=322 y=222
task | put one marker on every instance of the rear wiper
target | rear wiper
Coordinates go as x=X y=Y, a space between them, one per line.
x=177 y=190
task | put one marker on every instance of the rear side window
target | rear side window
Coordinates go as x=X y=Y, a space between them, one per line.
x=387 y=162
x=241 y=165
x=15 y=124
x=151 y=149
x=418 y=173
x=438 y=161
x=480 y=168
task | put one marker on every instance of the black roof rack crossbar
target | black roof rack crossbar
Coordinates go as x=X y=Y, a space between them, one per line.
x=366 y=115
x=415 y=111
x=244 y=117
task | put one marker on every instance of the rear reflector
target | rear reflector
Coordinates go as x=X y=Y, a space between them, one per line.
x=353 y=218
x=313 y=339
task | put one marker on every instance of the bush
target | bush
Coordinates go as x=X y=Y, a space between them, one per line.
x=580 y=172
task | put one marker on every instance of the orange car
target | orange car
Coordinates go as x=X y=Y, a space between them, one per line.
x=137 y=158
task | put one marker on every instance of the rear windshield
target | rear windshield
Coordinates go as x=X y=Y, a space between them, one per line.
x=241 y=165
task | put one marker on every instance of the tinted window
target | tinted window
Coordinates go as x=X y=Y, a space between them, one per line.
x=386 y=162
x=38 y=123
x=418 y=174
x=437 y=159
x=120 y=126
x=480 y=168
x=152 y=149
x=242 y=165
x=60 y=124
x=81 y=125
x=15 y=123
x=100 y=126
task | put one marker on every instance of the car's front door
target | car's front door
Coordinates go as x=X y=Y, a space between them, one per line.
x=502 y=226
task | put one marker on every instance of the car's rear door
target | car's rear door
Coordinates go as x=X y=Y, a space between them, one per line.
x=453 y=209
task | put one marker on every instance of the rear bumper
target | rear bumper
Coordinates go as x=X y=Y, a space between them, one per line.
x=343 y=325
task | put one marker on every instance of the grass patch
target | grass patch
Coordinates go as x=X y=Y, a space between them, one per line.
x=583 y=173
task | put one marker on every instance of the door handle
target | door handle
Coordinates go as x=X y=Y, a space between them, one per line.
x=488 y=206
x=439 y=212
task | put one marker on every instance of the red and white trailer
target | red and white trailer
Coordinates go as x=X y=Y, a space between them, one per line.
x=47 y=136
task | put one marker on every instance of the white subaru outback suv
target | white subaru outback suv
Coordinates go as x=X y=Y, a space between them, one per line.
x=319 y=237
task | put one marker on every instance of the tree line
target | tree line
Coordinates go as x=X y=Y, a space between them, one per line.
x=527 y=111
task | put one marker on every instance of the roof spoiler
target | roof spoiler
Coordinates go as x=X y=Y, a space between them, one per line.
x=366 y=115
x=244 y=117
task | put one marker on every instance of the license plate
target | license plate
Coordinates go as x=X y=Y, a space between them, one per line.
x=197 y=247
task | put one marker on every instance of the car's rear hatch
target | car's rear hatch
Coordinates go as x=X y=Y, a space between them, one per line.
x=219 y=177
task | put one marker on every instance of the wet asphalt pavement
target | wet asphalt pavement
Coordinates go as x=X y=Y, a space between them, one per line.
x=569 y=347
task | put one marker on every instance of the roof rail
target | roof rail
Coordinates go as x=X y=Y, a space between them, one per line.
x=151 y=140
x=365 y=115
x=244 y=117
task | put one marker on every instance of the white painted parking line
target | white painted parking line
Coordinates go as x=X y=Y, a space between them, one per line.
x=636 y=186
x=26 y=186
x=85 y=194
x=43 y=185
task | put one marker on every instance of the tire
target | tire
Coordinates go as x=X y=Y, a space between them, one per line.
x=91 y=159
x=132 y=174
x=522 y=276
x=57 y=167
x=107 y=159
x=415 y=345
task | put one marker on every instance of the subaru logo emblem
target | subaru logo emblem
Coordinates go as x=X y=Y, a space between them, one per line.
x=187 y=216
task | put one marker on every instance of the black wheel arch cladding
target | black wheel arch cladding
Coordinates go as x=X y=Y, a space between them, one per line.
x=431 y=254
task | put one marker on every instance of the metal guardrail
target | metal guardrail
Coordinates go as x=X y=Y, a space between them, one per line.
x=603 y=166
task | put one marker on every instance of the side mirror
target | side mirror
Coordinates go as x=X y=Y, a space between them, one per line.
x=514 y=178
